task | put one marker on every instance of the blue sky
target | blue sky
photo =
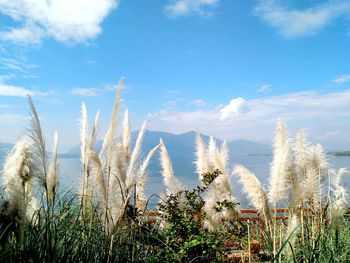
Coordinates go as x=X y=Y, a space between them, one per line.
x=227 y=68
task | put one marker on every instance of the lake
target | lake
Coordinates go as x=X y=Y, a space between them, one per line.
x=259 y=164
x=70 y=171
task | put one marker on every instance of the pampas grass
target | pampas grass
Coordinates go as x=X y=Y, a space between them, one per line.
x=142 y=179
x=94 y=131
x=109 y=179
x=301 y=153
x=171 y=183
x=254 y=190
x=109 y=152
x=130 y=176
x=84 y=149
x=126 y=134
x=95 y=169
x=209 y=158
x=279 y=166
x=18 y=175
x=52 y=178
x=315 y=175
x=218 y=160
x=39 y=149
x=201 y=161
x=108 y=142
x=341 y=199
x=116 y=169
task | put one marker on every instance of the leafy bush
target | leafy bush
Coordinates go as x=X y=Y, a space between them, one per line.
x=184 y=235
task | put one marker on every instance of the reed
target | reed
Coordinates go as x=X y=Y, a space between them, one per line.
x=255 y=192
x=52 y=180
x=142 y=179
x=220 y=189
x=171 y=183
x=201 y=161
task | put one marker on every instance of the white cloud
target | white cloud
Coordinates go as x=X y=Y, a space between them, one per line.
x=28 y=34
x=187 y=7
x=294 y=23
x=7 y=117
x=14 y=91
x=92 y=92
x=321 y=112
x=341 y=79
x=12 y=64
x=264 y=88
x=331 y=133
x=198 y=103
x=7 y=76
x=85 y=92
x=233 y=109
x=62 y=20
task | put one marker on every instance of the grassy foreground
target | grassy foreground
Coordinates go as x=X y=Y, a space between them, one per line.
x=62 y=234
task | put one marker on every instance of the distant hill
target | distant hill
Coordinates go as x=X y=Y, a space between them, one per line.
x=181 y=148
x=179 y=144
x=340 y=153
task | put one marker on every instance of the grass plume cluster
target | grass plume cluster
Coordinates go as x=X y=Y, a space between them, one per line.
x=107 y=220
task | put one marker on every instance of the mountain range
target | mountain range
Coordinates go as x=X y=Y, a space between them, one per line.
x=181 y=149
x=180 y=144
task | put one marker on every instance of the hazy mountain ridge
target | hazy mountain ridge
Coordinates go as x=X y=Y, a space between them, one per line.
x=178 y=143
x=181 y=148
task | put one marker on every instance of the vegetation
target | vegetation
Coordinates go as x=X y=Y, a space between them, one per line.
x=108 y=221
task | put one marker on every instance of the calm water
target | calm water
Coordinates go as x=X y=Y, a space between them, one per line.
x=258 y=164
x=70 y=171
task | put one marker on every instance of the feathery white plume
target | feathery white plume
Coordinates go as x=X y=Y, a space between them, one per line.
x=224 y=155
x=94 y=131
x=130 y=177
x=38 y=145
x=171 y=182
x=84 y=136
x=126 y=135
x=109 y=154
x=141 y=181
x=95 y=168
x=107 y=146
x=18 y=176
x=341 y=195
x=218 y=159
x=280 y=163
x=220 y=189
x=213 y=155
x=318 y=157
x=84 y=149
x=301 y=152
x=52 y=180
x=201 y=161
x=253 y=189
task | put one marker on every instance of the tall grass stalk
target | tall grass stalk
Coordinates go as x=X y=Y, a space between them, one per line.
x=131 y=173
x=256 y=193
x=52 y=183
x=201 y=161
x=84 y=149
x=141 y=181
x=172 y=184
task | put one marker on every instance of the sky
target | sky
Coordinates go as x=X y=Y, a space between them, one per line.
x=227 y=68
